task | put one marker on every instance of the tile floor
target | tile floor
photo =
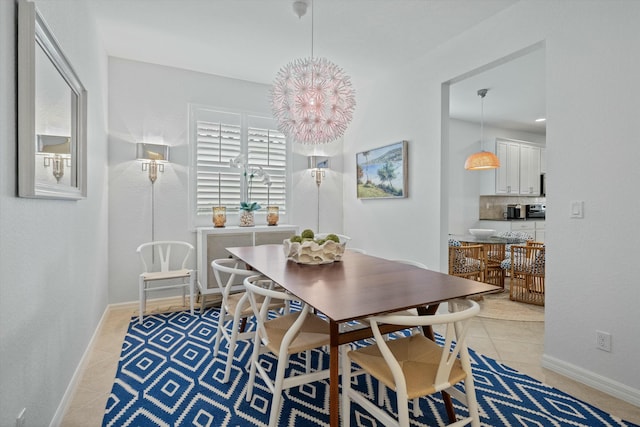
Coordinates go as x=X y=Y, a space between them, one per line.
x=494 y=338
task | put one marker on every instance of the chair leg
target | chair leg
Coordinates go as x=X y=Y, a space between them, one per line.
x=307 y=361
x=202 y=300
x=141 y=298
x=417 y=412
x=257 y=339
x=276 y=399
x=192 y=290
x=382 y=393
x=346 y=386
x=232 y=346
x=403 y=408
x=221 y=324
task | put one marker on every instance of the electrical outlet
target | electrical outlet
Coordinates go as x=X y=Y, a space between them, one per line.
x=603 y=341
x=20 y=419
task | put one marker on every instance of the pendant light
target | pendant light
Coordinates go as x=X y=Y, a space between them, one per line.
x=482 y=160
x=312 y=99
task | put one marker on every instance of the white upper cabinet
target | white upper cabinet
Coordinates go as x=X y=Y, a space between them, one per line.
x=529 y=170
x=507 y=175
x=519 y=171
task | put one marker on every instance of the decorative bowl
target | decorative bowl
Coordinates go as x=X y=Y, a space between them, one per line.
x=309 y=252
x=482 y=232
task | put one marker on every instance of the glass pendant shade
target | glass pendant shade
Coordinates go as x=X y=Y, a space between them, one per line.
x=482 y=160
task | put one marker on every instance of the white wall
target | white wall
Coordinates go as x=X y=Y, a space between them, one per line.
x=592 y=148
x=465 y=186
x=149 y=103
x=53 y=267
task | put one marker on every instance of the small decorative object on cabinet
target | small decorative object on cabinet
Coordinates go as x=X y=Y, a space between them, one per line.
x=246 y=218
x=310 y=249
x=273 y=215
x=249 y=172
x=219 y=216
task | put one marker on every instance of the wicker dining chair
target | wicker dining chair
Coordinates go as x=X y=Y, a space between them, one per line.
x=495 y=253
x=527 y=273
x=468 y=261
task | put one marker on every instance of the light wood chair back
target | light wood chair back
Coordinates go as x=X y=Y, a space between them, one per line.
x=528 y=273
x=495 y=253
x=468 y=261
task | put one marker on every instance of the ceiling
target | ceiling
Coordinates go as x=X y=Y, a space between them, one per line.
x=252 y=39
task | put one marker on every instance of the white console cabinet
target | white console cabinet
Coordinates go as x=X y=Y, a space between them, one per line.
x=211 y=244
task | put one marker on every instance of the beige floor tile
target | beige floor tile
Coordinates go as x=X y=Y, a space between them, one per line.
x=483 y=345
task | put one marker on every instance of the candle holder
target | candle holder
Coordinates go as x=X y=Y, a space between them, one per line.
x=273 y=215
x=219 y=216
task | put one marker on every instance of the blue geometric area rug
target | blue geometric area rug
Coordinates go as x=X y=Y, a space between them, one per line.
x=167 y=376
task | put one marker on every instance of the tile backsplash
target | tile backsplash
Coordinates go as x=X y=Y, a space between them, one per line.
x=492 y=207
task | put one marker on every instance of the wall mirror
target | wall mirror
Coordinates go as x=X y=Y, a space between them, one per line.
x=52 y=114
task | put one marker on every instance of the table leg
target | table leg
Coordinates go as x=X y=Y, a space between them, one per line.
x=334 y=391
x=428 y=332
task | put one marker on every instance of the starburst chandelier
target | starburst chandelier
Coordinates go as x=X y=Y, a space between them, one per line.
x=312 y=98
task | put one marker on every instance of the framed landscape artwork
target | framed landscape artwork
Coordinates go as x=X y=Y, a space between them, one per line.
x=382 y=172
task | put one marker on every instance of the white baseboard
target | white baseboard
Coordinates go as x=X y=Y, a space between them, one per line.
x=56 y=421
x=591 y=379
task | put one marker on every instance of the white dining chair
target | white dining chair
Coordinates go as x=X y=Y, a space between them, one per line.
x=382 y=391
x=296 y=332
x=413 y=366
x=234 y=308
x=164 y=266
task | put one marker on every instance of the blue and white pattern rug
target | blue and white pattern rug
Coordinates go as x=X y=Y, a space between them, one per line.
x=167 y=376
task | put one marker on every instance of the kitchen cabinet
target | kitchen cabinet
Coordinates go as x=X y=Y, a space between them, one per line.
x=507 y=175
x=529 y=170
x=519 y=171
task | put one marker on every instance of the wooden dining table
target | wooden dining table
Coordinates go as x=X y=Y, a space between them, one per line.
x=354 y=288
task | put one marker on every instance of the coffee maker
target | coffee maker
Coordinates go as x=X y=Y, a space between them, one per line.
x=515 y=211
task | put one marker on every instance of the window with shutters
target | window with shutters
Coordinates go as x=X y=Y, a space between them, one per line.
x=219 y=136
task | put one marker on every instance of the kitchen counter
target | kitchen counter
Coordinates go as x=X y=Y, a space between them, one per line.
x=535 y=227
x=512 y=219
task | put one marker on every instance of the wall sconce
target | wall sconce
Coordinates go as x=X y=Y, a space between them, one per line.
x=318 y=164
x=153 y=157
x=58 y=162
x=60 y=149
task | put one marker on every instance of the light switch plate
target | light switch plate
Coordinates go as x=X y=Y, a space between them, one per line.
x=577 y=209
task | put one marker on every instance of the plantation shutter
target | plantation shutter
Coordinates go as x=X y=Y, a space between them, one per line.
x=217 y=183
x=267 y=148
x=222 y=136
